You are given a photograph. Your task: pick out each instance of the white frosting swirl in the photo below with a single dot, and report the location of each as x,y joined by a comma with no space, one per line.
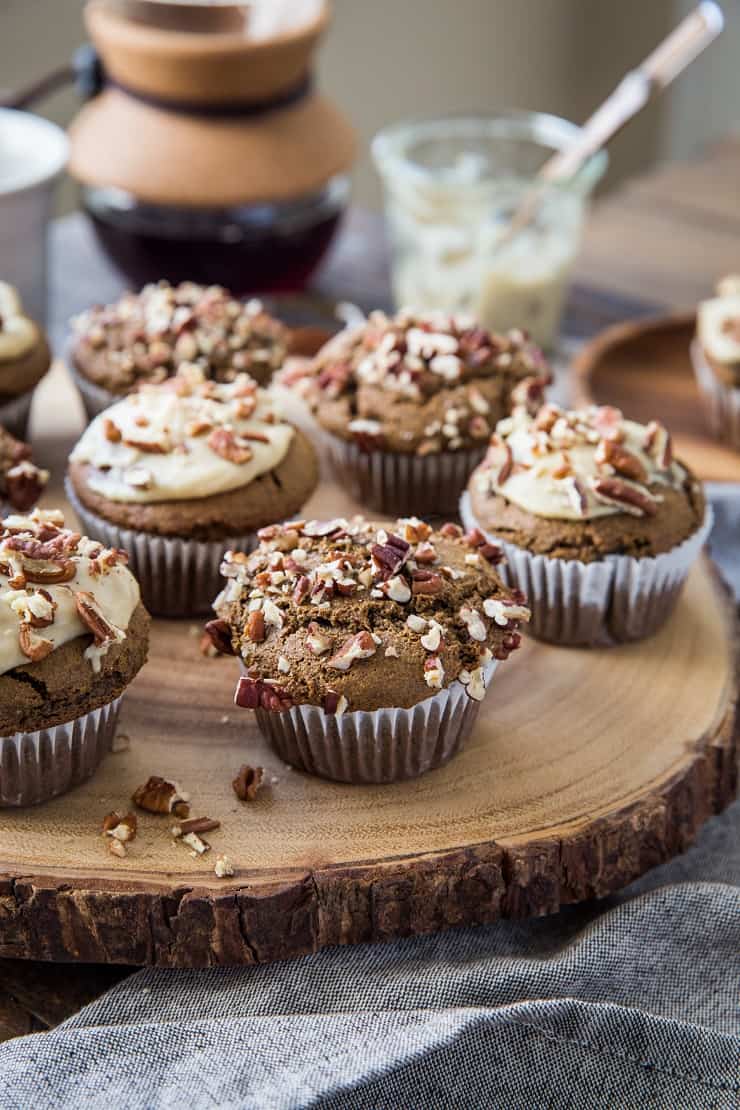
99,574
18,333
184,439
578,465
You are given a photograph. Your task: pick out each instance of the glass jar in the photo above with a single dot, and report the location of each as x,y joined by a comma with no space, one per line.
451,188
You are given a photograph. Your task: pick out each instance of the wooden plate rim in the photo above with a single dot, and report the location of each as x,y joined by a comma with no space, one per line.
95,919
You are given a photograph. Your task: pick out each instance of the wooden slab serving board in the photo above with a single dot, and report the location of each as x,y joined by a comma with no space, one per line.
644,368
585,769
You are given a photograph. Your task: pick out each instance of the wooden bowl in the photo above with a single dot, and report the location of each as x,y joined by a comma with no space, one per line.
644,368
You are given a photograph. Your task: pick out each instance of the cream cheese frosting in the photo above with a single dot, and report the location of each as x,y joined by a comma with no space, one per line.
56,585
186,438
718,322
18,333
579,465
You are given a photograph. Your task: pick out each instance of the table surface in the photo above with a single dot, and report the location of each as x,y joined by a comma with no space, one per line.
659,242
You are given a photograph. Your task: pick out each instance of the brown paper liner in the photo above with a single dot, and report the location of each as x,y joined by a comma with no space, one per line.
387,745
15,414
36,766
177,577
721,401
615,600
403,485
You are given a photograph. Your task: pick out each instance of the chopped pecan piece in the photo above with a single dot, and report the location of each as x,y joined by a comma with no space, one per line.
256,626
608,421
576,493
390,555
426,582
158,795
658,444
334,704
499,460
33,646
615,491
194,825
111,431
259,693
451,531
530,393
121,828
316,641
24,484
233,448
302,589
148,446
223,868
247,782
611,453
49,573
94,619
219,635
359,646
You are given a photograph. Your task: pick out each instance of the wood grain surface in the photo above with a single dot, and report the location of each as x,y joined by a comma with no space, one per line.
644,368
586,768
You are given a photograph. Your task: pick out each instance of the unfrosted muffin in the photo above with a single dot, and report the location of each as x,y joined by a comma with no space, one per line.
24,359
409,402
73,633
598,522
21,481
716,357
367,647
144,337
176,473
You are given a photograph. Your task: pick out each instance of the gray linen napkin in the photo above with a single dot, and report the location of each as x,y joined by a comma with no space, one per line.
630,1002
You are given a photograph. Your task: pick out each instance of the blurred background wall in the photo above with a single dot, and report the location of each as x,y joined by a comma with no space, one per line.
388,59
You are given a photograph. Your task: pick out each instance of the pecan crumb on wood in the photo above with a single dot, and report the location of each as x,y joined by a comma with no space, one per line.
247,782
158,795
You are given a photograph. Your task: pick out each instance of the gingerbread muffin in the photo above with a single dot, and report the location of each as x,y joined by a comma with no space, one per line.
597,520
24,359
145,337
21,481
716,357
408,403
366,648
176,473
74,634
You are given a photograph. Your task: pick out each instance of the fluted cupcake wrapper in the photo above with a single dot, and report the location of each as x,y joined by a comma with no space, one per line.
617,599
386,745
178,577
721,401
15,414
95,399
36,766
400,484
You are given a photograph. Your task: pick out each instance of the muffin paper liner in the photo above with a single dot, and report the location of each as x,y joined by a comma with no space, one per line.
15,414
95,399
36,766
177,577
616,599
386,745
402,485
721,401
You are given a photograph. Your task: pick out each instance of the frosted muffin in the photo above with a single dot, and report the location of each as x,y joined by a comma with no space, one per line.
144,338
367,648
176,473
73,633
408,403
598,522
24,359
716,357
